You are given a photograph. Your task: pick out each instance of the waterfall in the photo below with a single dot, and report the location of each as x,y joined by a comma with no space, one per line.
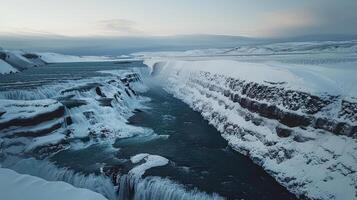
156,188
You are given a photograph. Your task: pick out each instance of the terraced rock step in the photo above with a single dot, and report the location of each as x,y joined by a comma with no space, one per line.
29,113
291,108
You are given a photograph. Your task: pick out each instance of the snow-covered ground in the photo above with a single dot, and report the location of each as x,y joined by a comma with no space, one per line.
334,47
5,68
298,121
17,60
61,58
15,186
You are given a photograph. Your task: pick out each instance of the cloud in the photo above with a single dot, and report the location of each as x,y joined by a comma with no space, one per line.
285,22
119,27
327,17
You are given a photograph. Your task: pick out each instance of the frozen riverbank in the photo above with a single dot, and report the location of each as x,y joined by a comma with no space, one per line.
16,186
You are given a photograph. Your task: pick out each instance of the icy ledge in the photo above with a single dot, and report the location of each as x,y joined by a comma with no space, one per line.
16,186
292,121
150,162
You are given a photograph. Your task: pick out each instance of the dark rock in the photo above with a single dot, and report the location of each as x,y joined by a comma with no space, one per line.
37,133
73,103
68,120
122,62
300,138
2,112
99,92
82,88
30,56
2,55
114,172
112,81
31,121
293,120
342,129
257,121
283,132
88,114
106,102
348,110
127,92
45,151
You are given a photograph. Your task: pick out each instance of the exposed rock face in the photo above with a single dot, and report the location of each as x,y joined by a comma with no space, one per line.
307,142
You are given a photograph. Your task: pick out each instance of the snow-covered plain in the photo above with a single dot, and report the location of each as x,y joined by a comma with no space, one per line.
5,68
12,61
286,115
346,47
15,186
61,58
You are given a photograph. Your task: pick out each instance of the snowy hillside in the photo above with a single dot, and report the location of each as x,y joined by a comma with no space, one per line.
267,49
297,121
17,60
60,58
5,68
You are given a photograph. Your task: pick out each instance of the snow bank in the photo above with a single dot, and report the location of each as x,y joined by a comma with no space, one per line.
60,58
5,68
150,162
330,79
16,186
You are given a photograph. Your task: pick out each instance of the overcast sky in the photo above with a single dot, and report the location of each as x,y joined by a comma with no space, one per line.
254,18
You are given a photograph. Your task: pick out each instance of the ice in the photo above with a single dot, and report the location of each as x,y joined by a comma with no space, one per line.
52,173
150,162
5,68
16,186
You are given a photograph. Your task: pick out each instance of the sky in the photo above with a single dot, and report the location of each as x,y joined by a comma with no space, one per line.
107,18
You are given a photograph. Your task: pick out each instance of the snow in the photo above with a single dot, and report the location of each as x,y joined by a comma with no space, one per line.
310,162
18,109
103,124
331,79
53,138
5,68
298,171
150,162
60,58
288,48
16,186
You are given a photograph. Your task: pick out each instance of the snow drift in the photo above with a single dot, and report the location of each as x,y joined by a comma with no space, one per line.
16,186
